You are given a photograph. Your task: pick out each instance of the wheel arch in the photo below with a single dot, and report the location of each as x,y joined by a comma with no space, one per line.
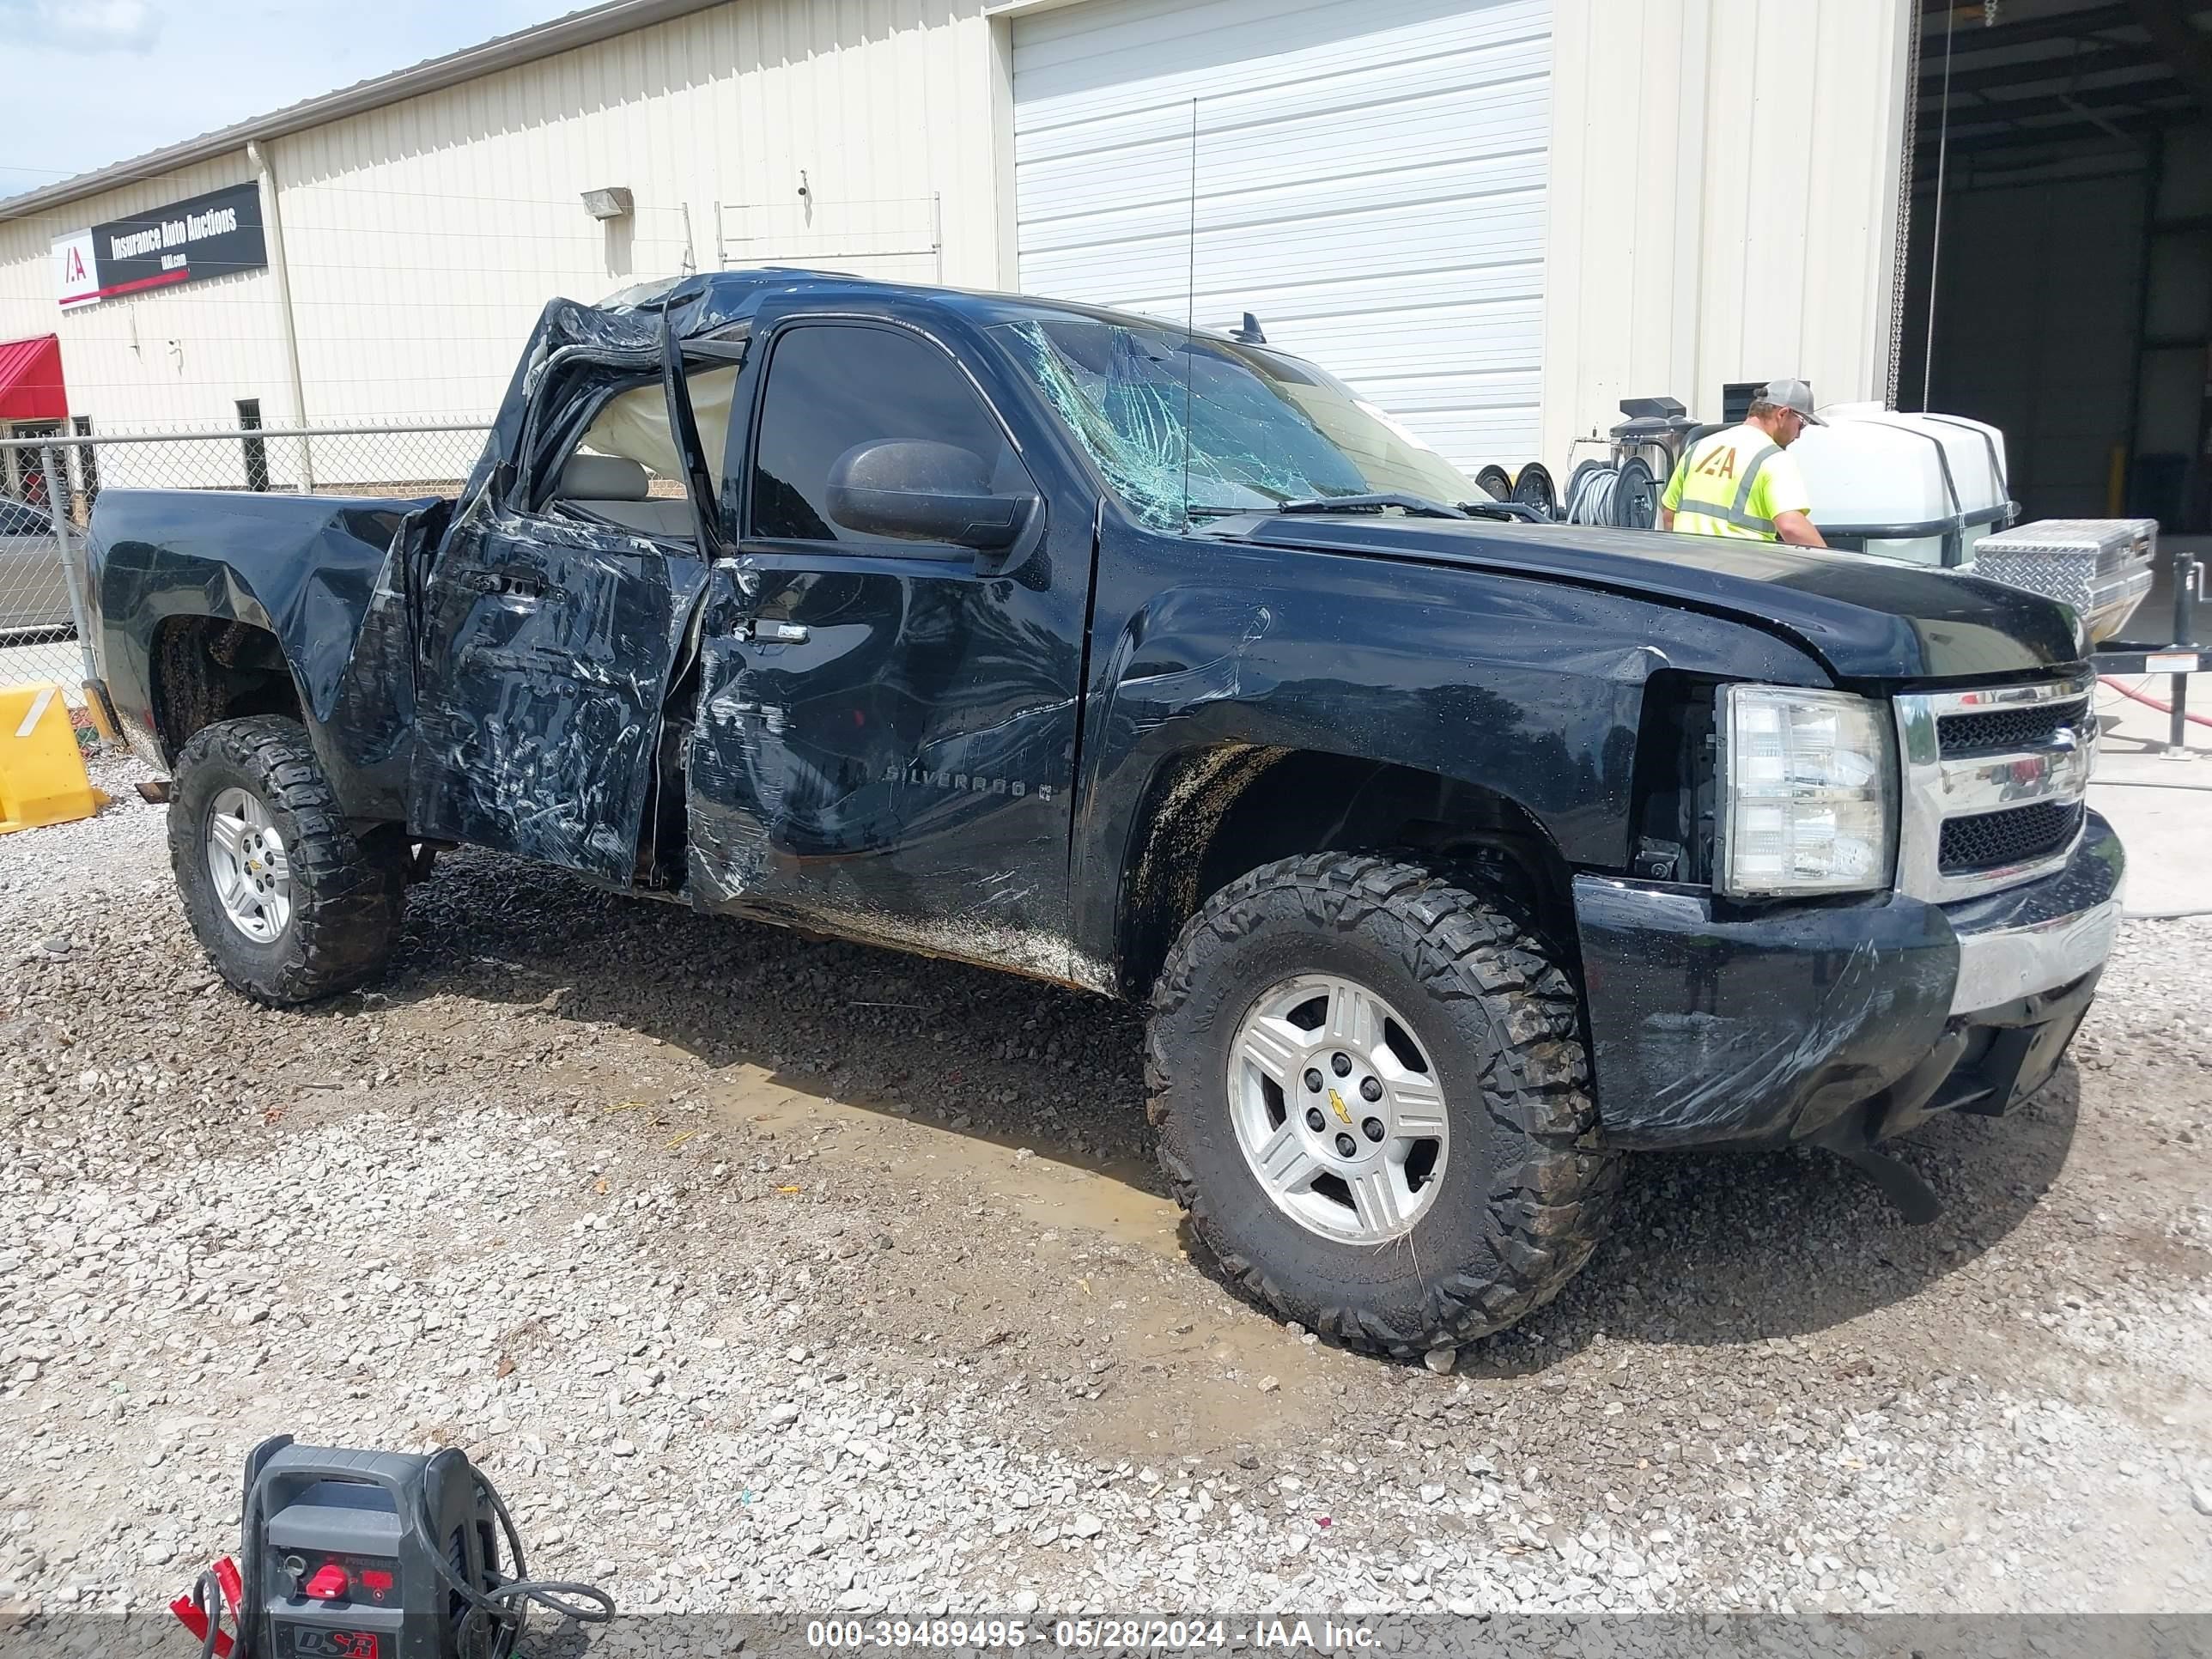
203,669
1214,812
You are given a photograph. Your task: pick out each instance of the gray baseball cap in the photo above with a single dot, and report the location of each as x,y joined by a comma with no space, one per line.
1793,394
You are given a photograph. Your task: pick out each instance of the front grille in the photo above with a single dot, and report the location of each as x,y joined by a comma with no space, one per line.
1994,780
2028,727
1988,841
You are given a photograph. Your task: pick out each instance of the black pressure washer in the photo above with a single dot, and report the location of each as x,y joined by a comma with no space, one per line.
372,1555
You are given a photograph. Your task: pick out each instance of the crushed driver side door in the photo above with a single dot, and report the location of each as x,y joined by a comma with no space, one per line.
885,743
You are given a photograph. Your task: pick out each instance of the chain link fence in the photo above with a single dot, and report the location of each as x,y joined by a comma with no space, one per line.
49,487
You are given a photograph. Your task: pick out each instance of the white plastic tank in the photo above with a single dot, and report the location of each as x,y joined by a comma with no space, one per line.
1907,486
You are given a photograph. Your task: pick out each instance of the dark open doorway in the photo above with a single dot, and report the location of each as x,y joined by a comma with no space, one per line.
2069,146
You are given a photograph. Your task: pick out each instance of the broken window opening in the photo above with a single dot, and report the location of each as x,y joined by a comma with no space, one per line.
633,425
627,469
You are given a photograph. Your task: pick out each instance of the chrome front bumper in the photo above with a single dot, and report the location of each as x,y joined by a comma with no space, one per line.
2044,935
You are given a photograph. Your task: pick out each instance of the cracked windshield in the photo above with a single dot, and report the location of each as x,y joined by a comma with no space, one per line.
1258,428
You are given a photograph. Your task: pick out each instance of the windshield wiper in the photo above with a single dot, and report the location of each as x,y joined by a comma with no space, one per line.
1414,506
1513,512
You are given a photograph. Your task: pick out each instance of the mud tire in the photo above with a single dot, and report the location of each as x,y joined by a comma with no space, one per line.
1527,1189
347,894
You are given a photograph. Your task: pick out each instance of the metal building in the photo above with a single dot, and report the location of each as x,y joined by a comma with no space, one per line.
414,225
1495,217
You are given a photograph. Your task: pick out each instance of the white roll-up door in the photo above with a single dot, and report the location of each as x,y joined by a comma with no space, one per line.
1367,179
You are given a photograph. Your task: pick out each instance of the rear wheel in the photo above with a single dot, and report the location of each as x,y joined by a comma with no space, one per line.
288,903
1371,1096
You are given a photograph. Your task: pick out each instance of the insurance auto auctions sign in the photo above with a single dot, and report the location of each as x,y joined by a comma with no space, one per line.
209,235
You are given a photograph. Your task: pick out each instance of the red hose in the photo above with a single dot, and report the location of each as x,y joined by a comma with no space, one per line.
2162,708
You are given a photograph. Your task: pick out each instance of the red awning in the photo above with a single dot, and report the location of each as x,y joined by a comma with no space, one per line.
30,380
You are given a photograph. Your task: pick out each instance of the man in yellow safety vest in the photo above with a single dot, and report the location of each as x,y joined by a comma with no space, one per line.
1740,482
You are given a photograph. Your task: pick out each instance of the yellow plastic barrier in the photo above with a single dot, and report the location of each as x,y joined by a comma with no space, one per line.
42,777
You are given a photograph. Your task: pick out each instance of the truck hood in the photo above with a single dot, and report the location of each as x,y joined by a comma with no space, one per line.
1864,618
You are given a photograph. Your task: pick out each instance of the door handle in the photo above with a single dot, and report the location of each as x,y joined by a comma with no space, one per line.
776,632
504,583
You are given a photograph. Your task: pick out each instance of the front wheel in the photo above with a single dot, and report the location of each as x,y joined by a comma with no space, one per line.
1372,1098
288,903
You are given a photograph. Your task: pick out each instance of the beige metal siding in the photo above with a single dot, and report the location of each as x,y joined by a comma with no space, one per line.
423,237
1723,201
1720,203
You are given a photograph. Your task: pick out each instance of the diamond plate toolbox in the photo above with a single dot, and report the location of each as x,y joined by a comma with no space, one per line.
2101,567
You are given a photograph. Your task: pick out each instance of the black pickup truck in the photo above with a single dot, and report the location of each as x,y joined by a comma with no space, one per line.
1455,857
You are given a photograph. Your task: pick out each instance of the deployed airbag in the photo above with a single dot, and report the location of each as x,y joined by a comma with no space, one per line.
635,423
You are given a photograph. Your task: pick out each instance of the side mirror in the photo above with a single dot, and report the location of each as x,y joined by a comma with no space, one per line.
920,490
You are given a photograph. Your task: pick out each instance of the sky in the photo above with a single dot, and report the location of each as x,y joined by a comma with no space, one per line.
85,82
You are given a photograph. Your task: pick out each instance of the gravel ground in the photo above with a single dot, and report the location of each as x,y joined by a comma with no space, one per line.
769,1273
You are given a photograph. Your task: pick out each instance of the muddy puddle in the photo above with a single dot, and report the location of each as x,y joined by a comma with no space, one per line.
1128,1343
1109,1199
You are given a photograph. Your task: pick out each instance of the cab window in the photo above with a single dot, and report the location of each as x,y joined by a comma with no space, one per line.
833,386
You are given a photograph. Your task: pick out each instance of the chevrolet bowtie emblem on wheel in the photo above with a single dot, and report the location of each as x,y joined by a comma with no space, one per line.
1336,1105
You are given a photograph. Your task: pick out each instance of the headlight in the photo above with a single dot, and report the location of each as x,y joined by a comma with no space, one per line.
1807,792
